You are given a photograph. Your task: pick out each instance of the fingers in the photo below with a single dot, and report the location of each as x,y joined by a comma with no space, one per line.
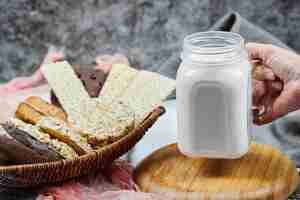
277,86
274,112
259,72
260,75
279,69
259,51
286,102
265,105
258,91
270,57
264,95
282,62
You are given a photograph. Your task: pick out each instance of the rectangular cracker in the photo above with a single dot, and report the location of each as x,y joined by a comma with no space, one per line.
146,92
61,131
117,81
60,147
69,90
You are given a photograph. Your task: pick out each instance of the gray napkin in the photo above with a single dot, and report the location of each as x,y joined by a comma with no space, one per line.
232,22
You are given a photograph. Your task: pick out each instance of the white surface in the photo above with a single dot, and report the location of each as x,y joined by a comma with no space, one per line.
163,132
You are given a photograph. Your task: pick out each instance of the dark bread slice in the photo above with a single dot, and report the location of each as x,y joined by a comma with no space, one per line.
14,152
93,81
26,139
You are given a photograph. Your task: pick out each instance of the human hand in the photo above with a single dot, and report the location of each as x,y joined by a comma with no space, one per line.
276,81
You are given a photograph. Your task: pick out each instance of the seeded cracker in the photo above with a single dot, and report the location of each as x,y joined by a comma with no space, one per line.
95,121
118,80
146,92
69,90
61,148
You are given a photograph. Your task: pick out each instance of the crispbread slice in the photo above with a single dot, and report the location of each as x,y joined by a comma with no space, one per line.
147,91
43,138
69,90
60,130
107,123
45,108
119,119
117,81
85,114
111,122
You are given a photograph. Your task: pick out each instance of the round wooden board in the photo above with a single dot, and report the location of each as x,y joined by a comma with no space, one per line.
263,173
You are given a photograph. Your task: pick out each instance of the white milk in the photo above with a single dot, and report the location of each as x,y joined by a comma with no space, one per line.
214,96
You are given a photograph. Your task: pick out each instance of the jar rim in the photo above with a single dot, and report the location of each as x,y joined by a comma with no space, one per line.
213,42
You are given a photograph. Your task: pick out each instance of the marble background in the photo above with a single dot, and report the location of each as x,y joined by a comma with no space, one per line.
143,30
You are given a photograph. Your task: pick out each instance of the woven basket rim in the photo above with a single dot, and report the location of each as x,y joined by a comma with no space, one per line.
11,168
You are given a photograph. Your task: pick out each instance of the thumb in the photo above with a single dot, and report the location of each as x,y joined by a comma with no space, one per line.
283,63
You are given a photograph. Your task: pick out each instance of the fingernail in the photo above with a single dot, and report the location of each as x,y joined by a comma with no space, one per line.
258,111
255,112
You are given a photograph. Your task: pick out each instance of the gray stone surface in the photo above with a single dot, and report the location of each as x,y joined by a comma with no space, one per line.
146,31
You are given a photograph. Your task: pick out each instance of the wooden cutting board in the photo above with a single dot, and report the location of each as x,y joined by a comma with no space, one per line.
263,173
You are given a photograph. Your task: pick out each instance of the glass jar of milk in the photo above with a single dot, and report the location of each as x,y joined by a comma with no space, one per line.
213,92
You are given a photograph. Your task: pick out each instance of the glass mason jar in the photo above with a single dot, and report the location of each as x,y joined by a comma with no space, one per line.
213,92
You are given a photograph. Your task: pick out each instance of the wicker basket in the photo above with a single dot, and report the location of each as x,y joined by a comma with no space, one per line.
29,175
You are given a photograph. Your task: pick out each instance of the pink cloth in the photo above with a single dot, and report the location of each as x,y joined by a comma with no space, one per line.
114,178
104,62
113,183
22,83
16,90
